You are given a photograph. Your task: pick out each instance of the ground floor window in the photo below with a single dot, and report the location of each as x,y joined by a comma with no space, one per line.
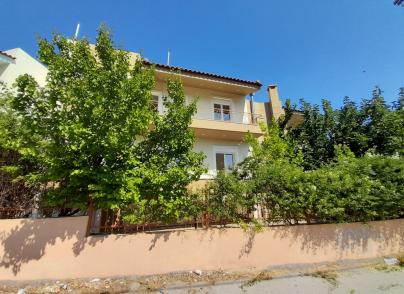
155,103
224,161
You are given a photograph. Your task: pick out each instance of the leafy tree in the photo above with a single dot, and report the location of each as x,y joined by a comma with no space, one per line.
283,120
399,104
349,129
94,135
372,127
314,135
379,126
397,119
272,147
167,164
14,192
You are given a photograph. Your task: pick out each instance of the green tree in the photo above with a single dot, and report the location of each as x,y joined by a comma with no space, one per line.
314,136
379,124
349,129
284,119
14,192
272,147
94,135
397,118
165,164
374,126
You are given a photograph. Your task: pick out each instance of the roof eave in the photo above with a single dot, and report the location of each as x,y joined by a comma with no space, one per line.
6,57
172,69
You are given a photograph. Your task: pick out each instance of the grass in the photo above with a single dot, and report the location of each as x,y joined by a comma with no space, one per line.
401,260
329,276
262,276
388,268
392,268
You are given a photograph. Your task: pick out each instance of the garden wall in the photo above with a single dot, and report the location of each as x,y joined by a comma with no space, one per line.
58,249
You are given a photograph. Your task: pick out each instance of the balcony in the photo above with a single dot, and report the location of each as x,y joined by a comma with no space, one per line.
226,125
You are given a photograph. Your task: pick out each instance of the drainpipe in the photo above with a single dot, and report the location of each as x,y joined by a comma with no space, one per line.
252,108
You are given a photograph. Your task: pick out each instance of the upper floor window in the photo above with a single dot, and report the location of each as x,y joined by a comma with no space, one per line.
221,111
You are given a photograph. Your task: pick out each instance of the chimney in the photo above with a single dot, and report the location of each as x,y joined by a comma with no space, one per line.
275,105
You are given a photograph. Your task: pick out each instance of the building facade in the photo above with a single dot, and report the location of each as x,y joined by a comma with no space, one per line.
226,112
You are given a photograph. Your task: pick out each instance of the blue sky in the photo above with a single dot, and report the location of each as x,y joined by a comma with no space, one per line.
312,49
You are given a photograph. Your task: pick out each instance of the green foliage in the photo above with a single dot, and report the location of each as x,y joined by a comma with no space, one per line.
227,199
337,166
349,130
373,127
314,135
347,189
168,164
91,131
273,147
379,124
7,119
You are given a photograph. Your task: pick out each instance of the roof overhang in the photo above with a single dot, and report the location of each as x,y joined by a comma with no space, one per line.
199,79
6,58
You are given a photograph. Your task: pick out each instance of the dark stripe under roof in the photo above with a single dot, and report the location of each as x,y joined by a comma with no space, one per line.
6,55
201,73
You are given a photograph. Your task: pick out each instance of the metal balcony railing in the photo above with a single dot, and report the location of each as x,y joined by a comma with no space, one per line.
221,115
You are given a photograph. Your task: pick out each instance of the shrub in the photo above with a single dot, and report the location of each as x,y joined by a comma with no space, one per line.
349,190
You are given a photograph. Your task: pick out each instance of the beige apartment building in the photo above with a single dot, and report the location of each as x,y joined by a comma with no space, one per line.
226,110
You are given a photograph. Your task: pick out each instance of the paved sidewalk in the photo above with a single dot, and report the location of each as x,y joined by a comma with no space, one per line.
348,277
355,281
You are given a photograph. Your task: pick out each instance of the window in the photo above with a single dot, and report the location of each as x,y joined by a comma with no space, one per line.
224,161
221,112
155,103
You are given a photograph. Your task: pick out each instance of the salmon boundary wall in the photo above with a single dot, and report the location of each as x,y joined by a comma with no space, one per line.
58,248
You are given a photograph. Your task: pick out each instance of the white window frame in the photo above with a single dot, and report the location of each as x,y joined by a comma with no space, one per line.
223,101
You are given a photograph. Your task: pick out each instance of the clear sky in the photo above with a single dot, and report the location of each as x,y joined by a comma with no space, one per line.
312,48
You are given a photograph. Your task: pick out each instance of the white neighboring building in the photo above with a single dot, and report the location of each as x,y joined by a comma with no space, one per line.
16,62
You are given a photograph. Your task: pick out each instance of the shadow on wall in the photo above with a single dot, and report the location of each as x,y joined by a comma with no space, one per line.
342,239
28,240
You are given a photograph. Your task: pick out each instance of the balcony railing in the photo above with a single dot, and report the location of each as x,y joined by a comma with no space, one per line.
220,115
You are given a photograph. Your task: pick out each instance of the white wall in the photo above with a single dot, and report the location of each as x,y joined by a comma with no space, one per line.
24,64
206,99
209,147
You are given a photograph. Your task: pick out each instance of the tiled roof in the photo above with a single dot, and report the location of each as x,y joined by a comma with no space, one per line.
6,55
201,73
295,110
